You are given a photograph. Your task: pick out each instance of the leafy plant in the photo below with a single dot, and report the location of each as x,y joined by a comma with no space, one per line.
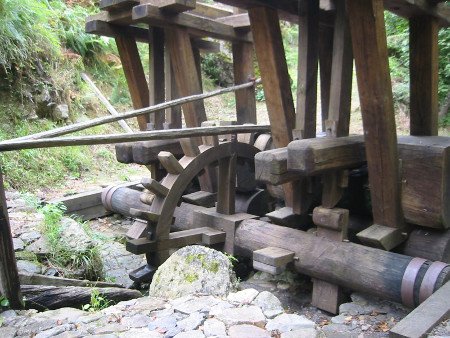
4,302
98,302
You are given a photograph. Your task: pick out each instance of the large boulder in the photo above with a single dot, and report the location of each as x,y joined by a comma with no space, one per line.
194,270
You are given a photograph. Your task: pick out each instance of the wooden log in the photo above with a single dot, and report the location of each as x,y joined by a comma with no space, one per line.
346,264
134,113
120,199
430,244
105,102
9,277
122,138
421,321
308,59
35,279
423,70
243,70
54,297
134,73
368,32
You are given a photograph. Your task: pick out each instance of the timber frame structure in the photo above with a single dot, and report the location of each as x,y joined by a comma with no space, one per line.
292,161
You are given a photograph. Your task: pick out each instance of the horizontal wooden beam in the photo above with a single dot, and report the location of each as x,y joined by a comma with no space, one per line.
124,138
196,25
237,21
116,5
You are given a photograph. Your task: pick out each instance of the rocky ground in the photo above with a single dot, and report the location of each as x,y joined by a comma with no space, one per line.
266,306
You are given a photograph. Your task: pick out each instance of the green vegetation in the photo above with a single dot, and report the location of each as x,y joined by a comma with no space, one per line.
191,277
62,256
210,266
98,302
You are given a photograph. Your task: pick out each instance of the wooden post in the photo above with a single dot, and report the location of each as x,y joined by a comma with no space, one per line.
367,27
423,69
173,114
325,60
134,73
308,57
185,72
9,277
243,72
274,73
156,76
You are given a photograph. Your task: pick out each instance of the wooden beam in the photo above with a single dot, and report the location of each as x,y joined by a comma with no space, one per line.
9,277
325,61
423,69
243,56
174,6
211,10
236,21
274,73
367,27
227,185
341,75
157,75
308,58
115,5
134,73
196,25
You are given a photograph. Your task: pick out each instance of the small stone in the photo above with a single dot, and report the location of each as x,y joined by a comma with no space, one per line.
69,334
29,237
365,327
39,247
190,334
289,322
192,322
18,244
201,304
68,314
8,314
283,286
269,304
107,329
243,297
355,309
7,332
302,333
141,333
341,319
74,236
29,267
164,323
136,321
240,331
244,315
214,327
61,112
219,307
55,331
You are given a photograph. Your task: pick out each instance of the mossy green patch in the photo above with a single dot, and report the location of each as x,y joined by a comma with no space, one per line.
191,277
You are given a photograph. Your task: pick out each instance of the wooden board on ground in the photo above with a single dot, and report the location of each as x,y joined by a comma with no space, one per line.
424,318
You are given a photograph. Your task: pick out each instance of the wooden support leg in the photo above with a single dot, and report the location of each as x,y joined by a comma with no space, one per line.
9,277
308,57
134,73
423,68
227,185
274,73
173,115
325,60
243,72
367,27
157,82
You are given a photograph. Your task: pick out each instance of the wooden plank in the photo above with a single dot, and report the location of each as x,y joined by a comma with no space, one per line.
146,152
423,70
154,186
111,30
9,277
170,163
211,10
334,219
134,73
308,58
382,237
243,56
367,27
425,317
271,167
327,296
174,6
196,25
35,279
273,256
114,5
236,20
274,73
273,270
285,216
156,75
203,198
173,114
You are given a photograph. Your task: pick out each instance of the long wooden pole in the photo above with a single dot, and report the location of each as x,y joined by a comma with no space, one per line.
124,138
105,102
133,113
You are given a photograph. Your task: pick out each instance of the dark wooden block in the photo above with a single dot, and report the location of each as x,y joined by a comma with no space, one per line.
116,5
271,167
277,257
